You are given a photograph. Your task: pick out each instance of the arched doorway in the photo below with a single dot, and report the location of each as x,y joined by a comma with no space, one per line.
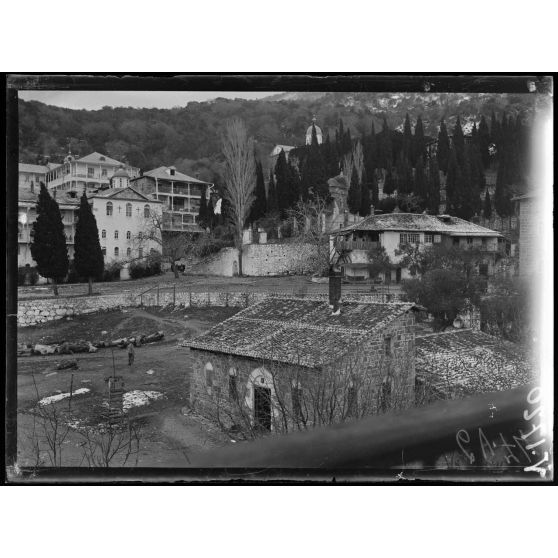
259,398
235,268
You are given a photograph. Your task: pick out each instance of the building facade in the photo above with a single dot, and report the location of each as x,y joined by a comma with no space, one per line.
30,176
530,230
179,194
92,172
290,363
127,222
356,247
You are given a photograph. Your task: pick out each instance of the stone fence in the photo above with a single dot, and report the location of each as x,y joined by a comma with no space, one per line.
33,312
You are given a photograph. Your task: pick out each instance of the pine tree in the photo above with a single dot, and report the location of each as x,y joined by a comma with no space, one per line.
260,203
88,258
354,196
419,147
487,209
48,248
484,142
365,199
443,150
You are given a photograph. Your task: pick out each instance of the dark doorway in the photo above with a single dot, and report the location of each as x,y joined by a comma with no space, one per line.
398,275
262,407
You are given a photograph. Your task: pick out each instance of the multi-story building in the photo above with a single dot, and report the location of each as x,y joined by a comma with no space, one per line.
93,172
356,246
530,232
32,175
27,215
179,193
124,220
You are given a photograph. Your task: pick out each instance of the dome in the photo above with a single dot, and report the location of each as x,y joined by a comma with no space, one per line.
120,173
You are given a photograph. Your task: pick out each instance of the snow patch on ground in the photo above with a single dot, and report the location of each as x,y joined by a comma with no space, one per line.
55,398
139,398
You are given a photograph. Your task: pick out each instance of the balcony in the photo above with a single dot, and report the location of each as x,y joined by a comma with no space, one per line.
357,245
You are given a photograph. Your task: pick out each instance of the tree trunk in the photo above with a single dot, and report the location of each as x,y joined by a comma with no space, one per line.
90,286
176,276
55,287
240,260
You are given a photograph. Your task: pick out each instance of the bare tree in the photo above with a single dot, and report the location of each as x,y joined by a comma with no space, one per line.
240,178
173,245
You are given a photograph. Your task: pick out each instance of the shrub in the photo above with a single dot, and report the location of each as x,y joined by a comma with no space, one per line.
137,270
112,272
387,205
27,270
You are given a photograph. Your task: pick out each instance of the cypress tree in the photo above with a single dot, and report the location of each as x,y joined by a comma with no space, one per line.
419,150
484,142
365,200
385,156
443,148
313,183
202,213
421,187
459,142
354,196
407,139
433,196
210,214
389,183
487,209
282,184
260,203
495,131
502,196
451,179
271,194
48,248
88,258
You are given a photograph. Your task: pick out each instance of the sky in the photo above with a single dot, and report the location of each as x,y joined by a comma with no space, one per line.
92,100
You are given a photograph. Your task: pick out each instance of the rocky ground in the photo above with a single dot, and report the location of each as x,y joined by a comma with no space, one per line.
153,385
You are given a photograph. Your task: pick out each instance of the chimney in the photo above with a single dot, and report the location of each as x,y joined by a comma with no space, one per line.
334,288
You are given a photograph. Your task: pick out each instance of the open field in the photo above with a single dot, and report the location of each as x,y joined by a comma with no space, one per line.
168,433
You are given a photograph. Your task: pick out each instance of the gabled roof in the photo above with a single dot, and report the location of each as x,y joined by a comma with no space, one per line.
300,331
63,198
95,157
465,362
38,169
418,222
127,193
161,174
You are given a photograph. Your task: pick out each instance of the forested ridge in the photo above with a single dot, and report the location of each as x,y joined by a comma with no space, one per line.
190,137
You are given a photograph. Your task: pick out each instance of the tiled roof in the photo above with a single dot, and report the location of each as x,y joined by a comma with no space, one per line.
298,330
62,198
95,157
38,169
453,226
466,362
124,193
161,173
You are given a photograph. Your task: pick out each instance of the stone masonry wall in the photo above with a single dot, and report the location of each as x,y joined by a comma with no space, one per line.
259,260
33,312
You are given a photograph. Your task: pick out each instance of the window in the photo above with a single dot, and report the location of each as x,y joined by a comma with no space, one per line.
128,235
483,242
90,172
437,238
385,394
140,235
140,252
209,375
388,340
115,235
104,173
109,208
103,233
128,210
128,252
116,252
146,210
456,241
469,240
409,238
104,250
428,238
233,384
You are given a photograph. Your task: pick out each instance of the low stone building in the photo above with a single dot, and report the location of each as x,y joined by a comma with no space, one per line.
292,363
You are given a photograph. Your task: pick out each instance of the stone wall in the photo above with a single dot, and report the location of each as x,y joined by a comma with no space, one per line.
33,312
259,260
